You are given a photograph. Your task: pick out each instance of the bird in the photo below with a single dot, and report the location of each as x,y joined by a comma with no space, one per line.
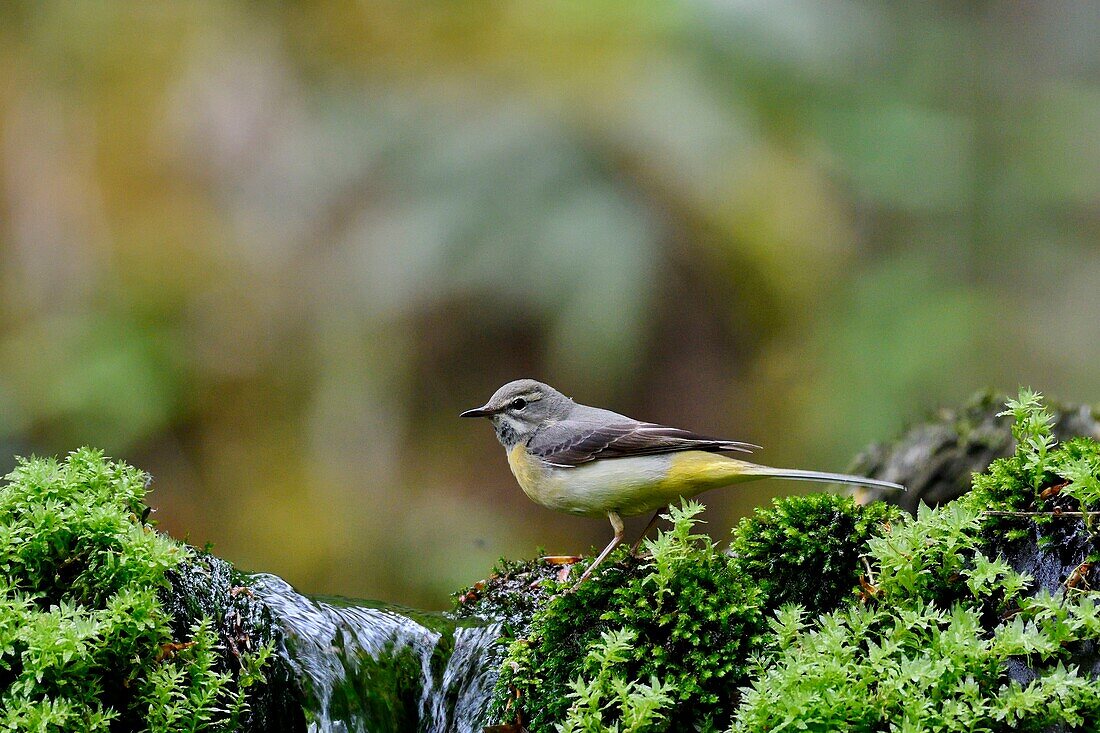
593,462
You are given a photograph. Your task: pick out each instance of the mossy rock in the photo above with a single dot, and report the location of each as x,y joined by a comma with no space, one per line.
936,459
824,614
204,586
106,624
692,622
695,615
828,615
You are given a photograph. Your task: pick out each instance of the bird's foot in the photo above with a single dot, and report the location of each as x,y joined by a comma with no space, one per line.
561,559
565,563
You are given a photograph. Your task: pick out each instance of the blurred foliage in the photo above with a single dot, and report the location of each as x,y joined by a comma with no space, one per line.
271,250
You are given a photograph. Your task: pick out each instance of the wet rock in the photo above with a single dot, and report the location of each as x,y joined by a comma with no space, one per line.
340,665
209,586
368,667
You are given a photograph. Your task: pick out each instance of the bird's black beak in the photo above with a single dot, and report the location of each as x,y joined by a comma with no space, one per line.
478,412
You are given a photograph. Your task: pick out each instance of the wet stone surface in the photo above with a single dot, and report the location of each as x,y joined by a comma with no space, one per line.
340,665
210,586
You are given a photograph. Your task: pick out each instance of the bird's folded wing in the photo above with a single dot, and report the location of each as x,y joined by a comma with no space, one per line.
572,443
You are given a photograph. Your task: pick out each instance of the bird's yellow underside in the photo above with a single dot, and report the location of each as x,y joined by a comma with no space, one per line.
702,470
629,485
525,467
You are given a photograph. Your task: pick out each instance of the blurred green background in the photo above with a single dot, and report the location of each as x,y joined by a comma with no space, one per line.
268,251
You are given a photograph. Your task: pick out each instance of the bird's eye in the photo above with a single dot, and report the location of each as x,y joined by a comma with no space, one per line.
518,403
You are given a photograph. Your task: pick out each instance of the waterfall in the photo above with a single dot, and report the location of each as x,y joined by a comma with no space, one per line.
368,667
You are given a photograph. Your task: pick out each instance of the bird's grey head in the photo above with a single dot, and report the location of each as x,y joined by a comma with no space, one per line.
520,408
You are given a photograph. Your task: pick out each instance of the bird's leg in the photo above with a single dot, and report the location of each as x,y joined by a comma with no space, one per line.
617,525
652,522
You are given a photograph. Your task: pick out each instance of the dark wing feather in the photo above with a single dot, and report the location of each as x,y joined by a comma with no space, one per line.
617,440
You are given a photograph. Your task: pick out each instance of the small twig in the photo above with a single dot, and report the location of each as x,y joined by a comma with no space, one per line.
1079,515
870,572
868,589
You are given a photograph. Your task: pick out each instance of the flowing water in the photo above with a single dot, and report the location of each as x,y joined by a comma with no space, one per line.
371,668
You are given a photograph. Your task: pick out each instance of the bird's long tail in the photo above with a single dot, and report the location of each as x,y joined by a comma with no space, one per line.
820,477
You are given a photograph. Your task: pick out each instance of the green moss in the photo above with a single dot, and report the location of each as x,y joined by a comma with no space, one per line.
84,641
1015,483
1041,476
934,650
805,549
953,638
691,621
694,616
601,692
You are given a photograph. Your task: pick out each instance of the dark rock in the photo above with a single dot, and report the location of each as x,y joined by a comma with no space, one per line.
935,460
207,585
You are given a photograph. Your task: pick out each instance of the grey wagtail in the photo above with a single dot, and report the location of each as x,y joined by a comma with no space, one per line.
591,462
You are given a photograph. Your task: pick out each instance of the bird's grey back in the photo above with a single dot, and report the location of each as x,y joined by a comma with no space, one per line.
586,434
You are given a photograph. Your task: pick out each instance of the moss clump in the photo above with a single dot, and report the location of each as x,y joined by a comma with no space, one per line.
84,641
1016,482
935,648
691,616
1042,477
691,624
602,692
954,636
805,549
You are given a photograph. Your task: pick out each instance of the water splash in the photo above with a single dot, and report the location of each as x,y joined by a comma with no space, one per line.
372,668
